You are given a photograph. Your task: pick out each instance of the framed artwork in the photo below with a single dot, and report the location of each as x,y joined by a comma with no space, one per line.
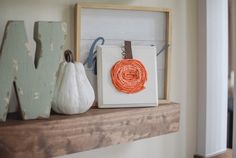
144,26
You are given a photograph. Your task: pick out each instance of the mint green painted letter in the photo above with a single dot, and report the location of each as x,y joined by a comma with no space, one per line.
33,81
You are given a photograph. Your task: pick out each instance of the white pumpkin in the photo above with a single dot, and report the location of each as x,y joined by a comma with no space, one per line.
73,92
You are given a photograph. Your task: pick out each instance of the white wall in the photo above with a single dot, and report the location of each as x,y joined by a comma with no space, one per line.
184,68
213,77
201,134
217,79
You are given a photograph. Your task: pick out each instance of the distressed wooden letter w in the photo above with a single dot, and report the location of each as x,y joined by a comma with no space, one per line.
33,83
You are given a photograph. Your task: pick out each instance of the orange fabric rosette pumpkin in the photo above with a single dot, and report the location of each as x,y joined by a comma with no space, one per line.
129,75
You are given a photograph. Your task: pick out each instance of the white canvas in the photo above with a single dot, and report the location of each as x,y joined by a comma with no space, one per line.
108,95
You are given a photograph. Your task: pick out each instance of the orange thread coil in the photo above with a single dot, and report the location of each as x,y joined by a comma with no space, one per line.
129,76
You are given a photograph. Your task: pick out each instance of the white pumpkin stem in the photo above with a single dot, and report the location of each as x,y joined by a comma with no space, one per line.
69,56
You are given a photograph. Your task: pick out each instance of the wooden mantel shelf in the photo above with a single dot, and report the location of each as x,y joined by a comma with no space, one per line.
97,128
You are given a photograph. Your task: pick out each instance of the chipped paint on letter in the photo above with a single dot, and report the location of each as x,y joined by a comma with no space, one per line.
15,65
36,95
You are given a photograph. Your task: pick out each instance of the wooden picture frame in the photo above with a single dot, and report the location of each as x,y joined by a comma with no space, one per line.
168,34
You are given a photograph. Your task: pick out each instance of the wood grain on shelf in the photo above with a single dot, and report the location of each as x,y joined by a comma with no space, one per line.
96,128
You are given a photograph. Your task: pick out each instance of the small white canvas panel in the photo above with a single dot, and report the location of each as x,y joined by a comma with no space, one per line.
143,28
108,95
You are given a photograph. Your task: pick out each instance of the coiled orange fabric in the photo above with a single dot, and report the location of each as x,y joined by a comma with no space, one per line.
129,75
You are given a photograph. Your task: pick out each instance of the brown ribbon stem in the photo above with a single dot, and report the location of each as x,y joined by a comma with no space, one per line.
128,50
